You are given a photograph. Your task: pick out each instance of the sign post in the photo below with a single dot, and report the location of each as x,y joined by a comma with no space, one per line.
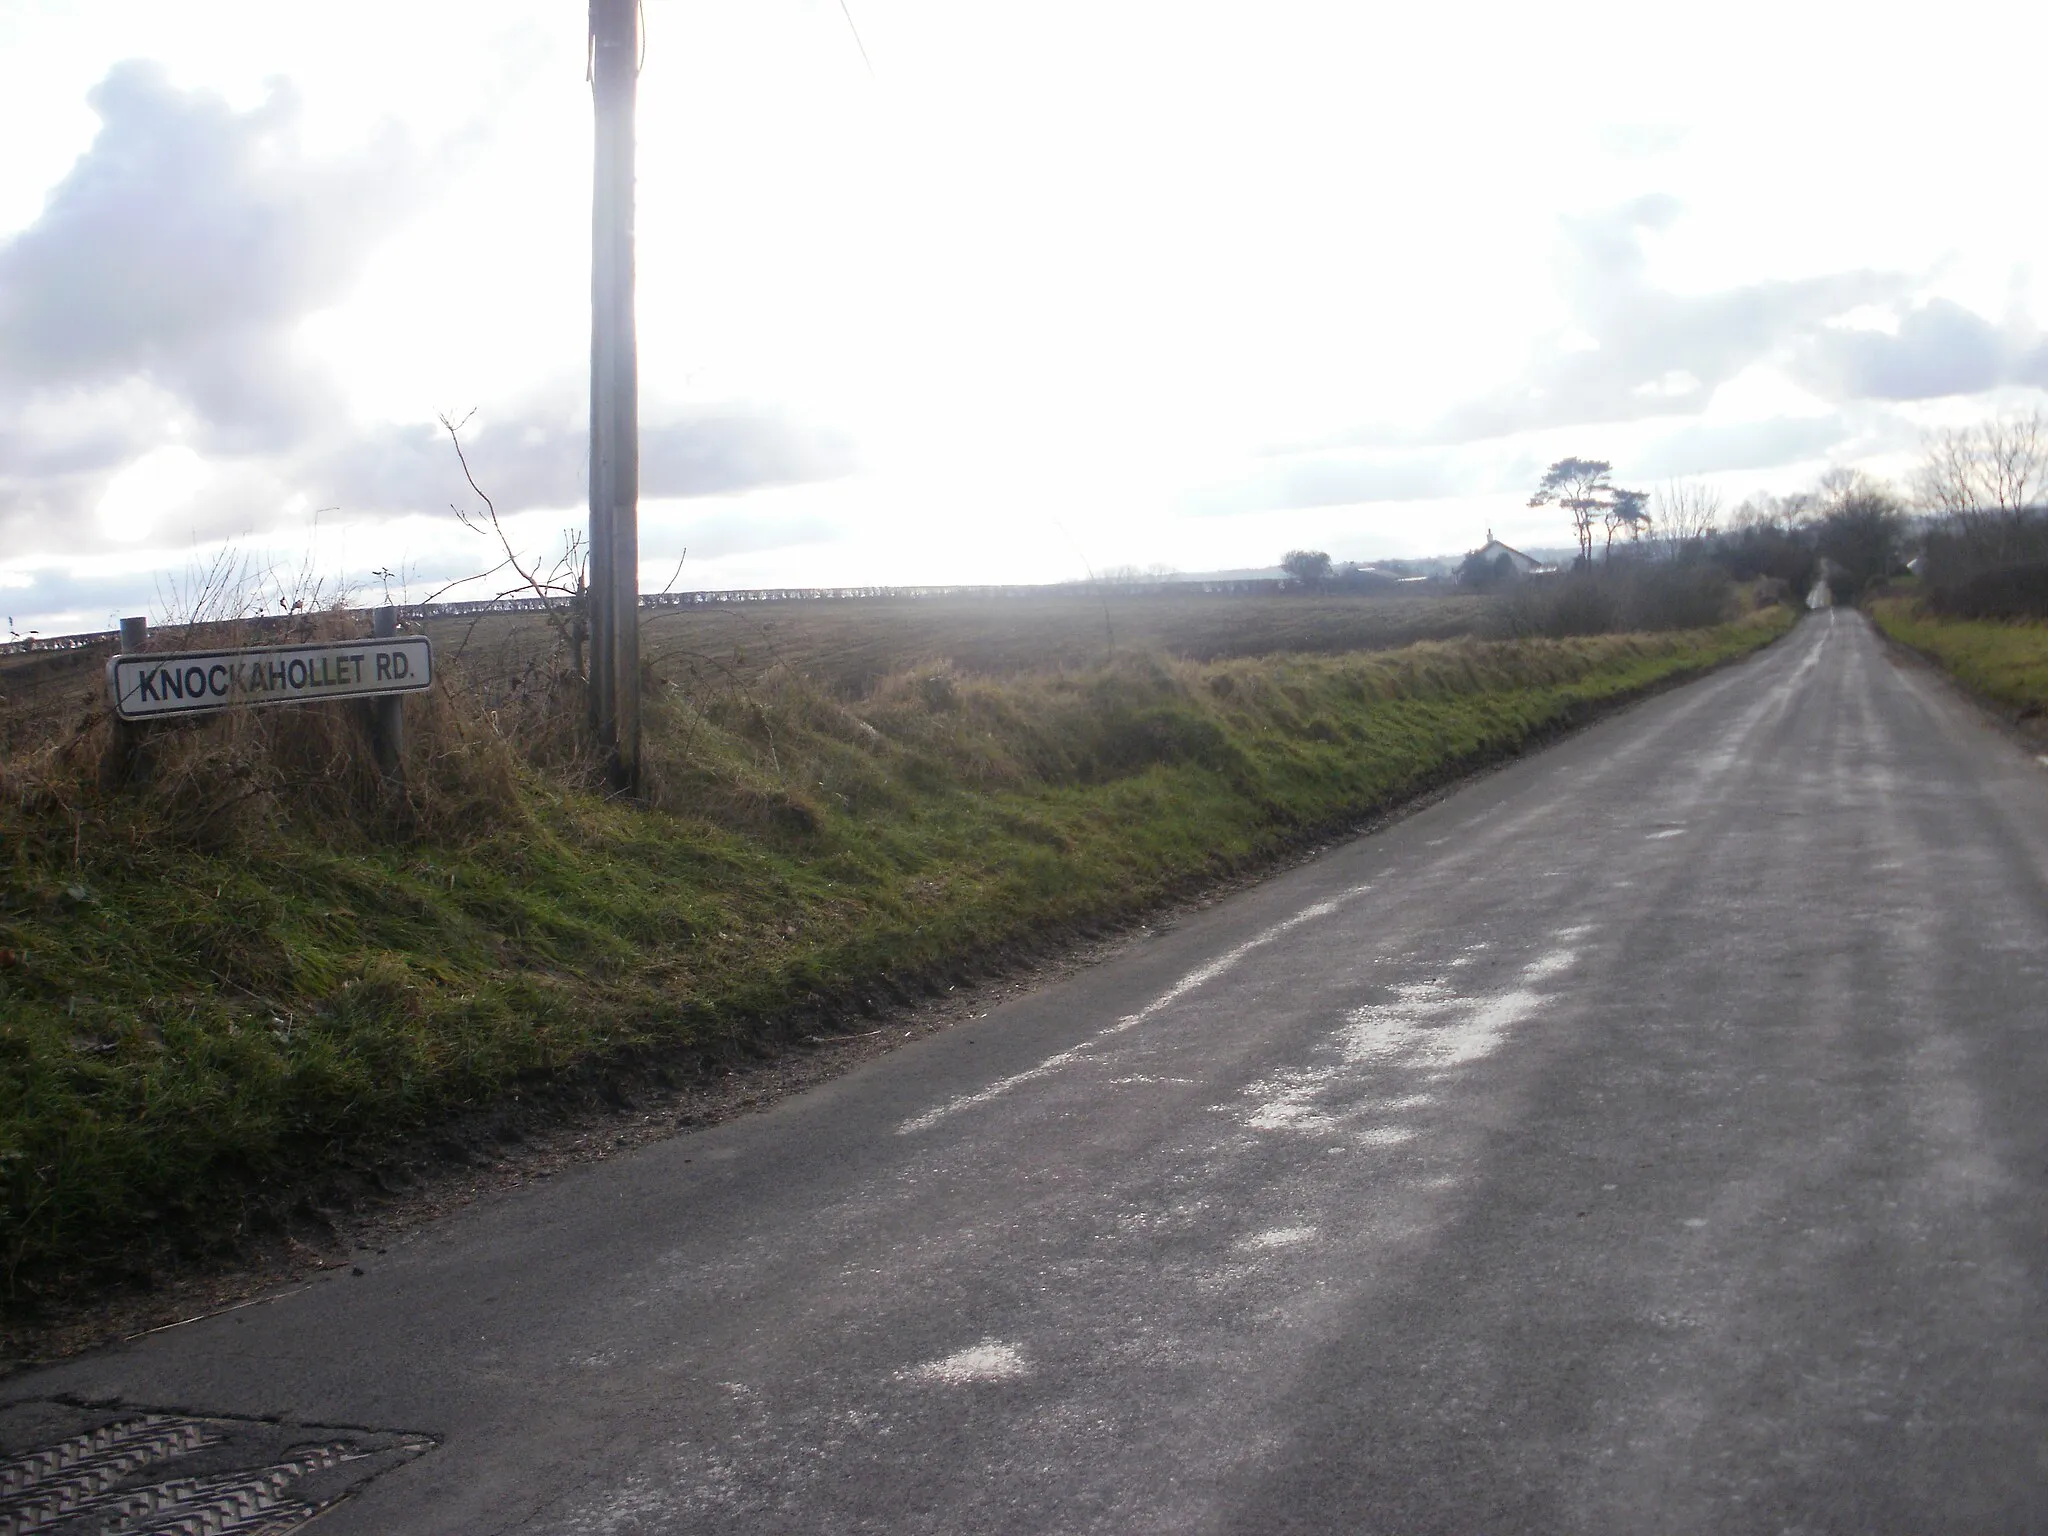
125,760
387,711
375,674
161,685
164,685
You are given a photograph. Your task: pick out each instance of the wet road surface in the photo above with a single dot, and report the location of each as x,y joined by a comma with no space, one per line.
1651,1136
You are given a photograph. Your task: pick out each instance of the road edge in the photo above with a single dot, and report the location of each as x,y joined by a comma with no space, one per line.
2029,733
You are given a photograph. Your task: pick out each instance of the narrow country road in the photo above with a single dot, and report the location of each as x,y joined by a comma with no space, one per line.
1651,1136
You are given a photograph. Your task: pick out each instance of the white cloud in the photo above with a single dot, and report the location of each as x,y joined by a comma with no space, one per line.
157,486
161,330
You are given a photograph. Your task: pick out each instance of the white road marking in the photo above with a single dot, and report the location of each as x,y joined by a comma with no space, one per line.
1546,966
1280,1237
1482,1032
1288,1103
1426,1025
1173,994
990,1360
1385,1136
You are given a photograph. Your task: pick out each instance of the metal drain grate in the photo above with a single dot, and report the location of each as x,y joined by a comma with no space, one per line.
72,1471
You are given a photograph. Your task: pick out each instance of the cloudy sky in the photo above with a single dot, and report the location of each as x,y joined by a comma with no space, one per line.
1032,289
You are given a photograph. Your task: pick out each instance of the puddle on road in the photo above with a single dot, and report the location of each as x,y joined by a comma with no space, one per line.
67,1470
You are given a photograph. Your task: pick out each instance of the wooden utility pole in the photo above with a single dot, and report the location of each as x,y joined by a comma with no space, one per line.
614,397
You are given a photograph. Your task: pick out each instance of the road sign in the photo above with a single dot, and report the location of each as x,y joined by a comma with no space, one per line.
151,686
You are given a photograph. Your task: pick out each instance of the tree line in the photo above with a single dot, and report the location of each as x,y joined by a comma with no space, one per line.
1971,521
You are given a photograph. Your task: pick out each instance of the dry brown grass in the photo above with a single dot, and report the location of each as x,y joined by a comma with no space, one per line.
219,780
848,648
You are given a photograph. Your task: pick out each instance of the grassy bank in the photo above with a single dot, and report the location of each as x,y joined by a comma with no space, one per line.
2005,661
256,968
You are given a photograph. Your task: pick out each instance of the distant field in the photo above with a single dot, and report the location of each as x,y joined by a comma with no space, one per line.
43,693
848,647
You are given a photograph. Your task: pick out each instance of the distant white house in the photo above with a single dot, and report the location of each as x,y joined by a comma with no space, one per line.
1524,565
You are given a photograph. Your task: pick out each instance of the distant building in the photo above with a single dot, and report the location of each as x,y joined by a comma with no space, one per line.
1353,577
1489,555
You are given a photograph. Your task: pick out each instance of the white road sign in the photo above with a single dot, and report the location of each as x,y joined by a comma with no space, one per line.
152,685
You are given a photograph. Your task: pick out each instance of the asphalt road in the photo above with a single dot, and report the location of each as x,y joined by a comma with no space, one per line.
1649,1137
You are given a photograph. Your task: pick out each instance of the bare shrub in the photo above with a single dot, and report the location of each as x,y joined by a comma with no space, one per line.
1683,596
2016,590
1618,597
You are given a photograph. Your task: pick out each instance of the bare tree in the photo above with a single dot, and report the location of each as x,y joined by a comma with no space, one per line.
1987,477
2016,461
1862,521
1838,485
1688,515
1945,481
1758,509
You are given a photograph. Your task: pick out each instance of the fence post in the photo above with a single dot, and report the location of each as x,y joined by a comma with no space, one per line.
125,760
387,713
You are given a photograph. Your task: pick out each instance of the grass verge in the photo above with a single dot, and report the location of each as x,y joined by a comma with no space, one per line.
202,1009
2003,661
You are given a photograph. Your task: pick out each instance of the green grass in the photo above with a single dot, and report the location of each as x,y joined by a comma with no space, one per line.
2005,662
198,1016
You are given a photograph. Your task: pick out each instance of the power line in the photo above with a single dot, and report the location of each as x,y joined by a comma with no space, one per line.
847,11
